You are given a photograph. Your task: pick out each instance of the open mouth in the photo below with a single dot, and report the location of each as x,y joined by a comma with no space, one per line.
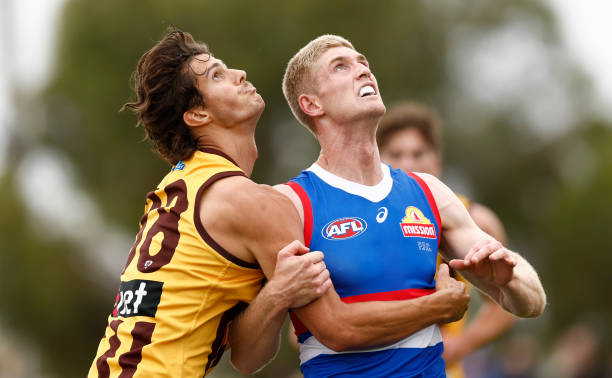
368,90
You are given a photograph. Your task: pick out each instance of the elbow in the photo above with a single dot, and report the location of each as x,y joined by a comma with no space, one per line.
537,309
541,307
534,313
243,364
339,339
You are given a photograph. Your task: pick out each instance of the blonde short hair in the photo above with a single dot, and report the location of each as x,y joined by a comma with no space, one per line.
298,75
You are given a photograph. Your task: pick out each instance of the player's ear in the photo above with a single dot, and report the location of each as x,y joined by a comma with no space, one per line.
310,105
197,116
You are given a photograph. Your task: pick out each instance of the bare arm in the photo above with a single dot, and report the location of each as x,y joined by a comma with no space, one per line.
491,321
255,333
367,325
500,273
297,279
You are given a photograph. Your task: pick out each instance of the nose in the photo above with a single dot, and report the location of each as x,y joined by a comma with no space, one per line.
240,76
364,72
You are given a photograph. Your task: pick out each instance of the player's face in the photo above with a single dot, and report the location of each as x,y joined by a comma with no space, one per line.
346,88
228,97
409,151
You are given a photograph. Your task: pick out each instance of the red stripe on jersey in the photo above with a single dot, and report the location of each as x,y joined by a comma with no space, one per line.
396,295
298,326
432,202
307,210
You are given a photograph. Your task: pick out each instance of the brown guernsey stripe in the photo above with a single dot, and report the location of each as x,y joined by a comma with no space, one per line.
143,223
200,227
218,347
141,336
103,368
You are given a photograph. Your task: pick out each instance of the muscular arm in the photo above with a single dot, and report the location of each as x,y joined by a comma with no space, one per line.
491,321
255,333
367,325
298,278
503,275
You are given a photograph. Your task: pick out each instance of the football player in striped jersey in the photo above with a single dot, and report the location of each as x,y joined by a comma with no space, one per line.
380,228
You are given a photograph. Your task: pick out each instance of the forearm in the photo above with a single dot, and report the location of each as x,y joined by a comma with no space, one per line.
368,325
390,322
521,292
255,333
524,295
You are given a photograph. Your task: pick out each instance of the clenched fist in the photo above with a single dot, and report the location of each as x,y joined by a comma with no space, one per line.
454,293
300,277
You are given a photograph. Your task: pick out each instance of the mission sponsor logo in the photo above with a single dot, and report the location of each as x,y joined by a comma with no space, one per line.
344,228
138,298
415,224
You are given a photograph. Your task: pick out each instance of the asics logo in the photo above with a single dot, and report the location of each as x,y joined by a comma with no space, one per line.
382,214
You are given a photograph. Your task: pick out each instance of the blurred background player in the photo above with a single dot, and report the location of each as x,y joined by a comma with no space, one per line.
409,139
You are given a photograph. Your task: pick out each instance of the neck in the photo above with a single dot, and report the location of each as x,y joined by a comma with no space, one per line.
237,143
350,151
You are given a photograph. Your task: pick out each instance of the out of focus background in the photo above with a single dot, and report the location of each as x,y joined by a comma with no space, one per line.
524,87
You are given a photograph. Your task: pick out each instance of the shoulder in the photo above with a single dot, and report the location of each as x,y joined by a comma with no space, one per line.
453,213
288,192
241,196
241,214
442,194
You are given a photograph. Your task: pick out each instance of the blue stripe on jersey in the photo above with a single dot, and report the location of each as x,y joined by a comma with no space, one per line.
301,338
403,362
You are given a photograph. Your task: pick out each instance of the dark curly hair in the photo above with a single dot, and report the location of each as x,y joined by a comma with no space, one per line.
165,88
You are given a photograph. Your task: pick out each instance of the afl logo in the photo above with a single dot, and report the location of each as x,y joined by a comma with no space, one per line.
344,228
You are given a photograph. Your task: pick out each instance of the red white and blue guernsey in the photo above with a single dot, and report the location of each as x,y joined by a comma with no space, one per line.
380,243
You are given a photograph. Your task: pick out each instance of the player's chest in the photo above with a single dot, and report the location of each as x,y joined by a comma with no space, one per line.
353,227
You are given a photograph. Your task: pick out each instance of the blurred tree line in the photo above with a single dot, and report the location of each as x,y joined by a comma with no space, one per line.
551,188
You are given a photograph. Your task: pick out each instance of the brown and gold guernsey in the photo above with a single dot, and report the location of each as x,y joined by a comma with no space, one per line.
455,328
179,290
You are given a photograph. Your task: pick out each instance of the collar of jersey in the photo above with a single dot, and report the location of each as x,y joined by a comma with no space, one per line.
374,193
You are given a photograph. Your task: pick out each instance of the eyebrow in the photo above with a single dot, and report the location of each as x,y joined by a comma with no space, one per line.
336,59
209,69
360,57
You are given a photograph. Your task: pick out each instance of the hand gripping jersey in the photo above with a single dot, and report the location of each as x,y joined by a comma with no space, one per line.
180,289
380,243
